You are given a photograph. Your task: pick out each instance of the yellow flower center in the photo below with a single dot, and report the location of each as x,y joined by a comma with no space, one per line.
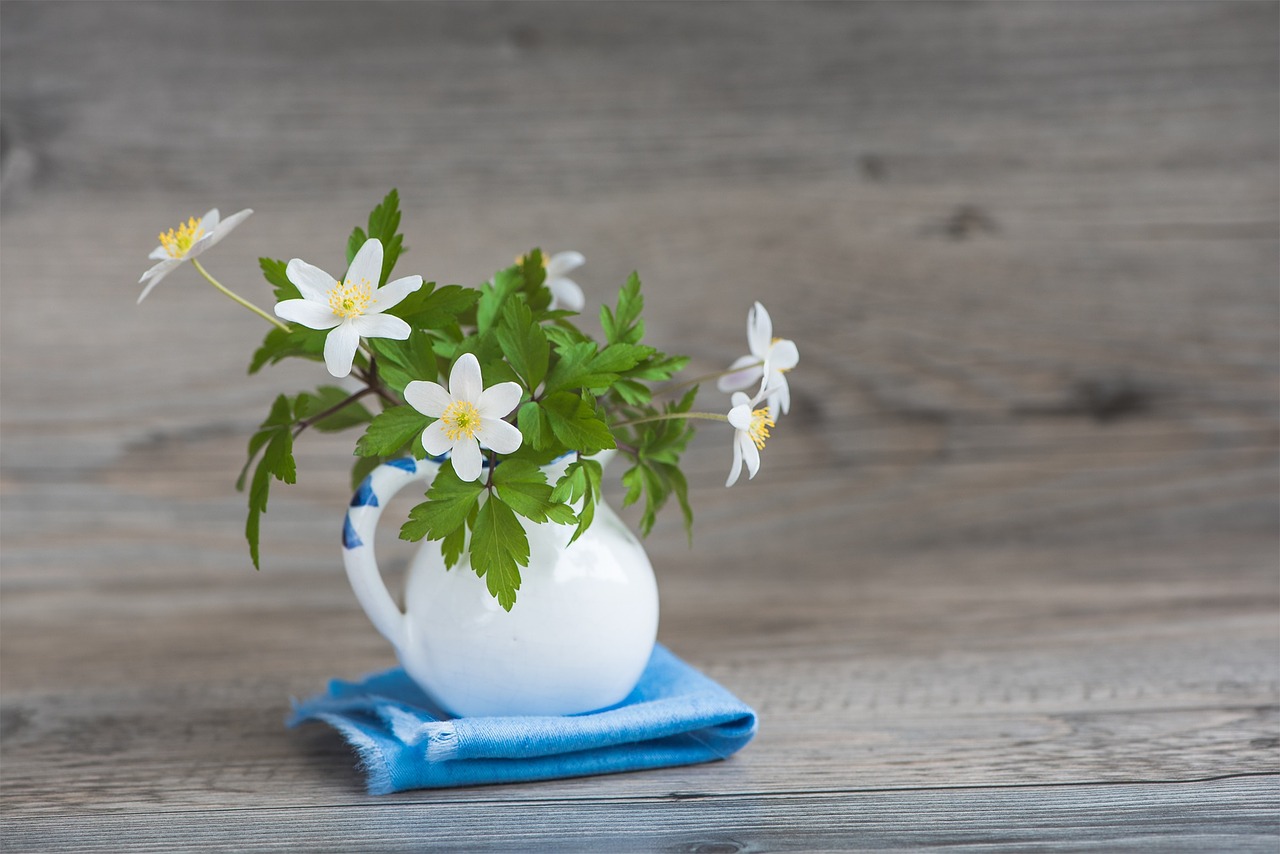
350,299
760,424
461,420
178,241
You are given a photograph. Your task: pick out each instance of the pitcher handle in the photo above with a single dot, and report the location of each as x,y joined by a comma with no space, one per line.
358,536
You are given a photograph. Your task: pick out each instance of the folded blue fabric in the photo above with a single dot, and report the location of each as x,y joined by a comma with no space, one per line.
675,716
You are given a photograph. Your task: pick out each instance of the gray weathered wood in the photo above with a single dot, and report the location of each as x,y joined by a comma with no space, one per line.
1008,574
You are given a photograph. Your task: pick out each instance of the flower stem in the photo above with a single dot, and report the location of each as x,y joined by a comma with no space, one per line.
337,407
244,302
672,416
681,386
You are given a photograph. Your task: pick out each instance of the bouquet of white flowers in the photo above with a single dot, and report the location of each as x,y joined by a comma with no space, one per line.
525,386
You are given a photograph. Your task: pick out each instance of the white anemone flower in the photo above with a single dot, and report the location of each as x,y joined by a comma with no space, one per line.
351,308
768,363
750,430
469,415
565,292
186,242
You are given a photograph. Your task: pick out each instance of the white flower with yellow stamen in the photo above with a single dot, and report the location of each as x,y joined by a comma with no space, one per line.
469,415
750,430
352,308
768,363
186,242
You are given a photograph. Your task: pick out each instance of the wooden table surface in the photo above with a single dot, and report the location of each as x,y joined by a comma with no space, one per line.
1008,576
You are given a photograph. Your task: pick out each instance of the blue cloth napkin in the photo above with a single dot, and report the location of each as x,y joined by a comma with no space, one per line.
675,716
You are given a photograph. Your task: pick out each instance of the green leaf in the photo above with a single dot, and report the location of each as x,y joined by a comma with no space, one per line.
354,242
391,430
494,296
384,224
571,364
619,358
327,396
449,503
623,325
436,308
453,545
524,344
523,487
499,547
534,425
279,344
402,362
275,439
574,422
274,271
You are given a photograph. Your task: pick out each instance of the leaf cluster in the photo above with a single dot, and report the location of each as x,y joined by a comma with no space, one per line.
579,397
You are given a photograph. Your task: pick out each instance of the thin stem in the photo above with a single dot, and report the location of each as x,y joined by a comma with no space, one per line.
320,416
672,416
696,380
244,302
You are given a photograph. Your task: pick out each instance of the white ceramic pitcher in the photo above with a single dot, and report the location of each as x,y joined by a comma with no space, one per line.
578,638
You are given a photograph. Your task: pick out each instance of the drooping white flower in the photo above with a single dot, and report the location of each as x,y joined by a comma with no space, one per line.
186,242
469,414
750,430
351,308
565,292
768,363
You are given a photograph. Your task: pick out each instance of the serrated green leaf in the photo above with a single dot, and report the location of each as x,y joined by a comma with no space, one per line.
279,344
534,426
354,242
523,487
452,546
524,343
499,547
384,224
390,430
623,325
574,422
450,501
436,308
274,272
633,480
402,362
494,296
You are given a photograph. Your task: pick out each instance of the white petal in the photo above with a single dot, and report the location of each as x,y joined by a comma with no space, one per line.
779,396
312,282
746,373
367,265
740,415
312,315
498,401
566,294
750,454
562,262
434,440
225,227
340,349
499,436
381,326
431,399
466,460
737,463
210,220
759,330
465,382
159,253
153,276
783,355
392,293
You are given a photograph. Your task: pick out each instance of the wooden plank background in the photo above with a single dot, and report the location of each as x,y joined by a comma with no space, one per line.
1008,576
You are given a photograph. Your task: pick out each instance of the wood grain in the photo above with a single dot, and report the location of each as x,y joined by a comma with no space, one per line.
1008,577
